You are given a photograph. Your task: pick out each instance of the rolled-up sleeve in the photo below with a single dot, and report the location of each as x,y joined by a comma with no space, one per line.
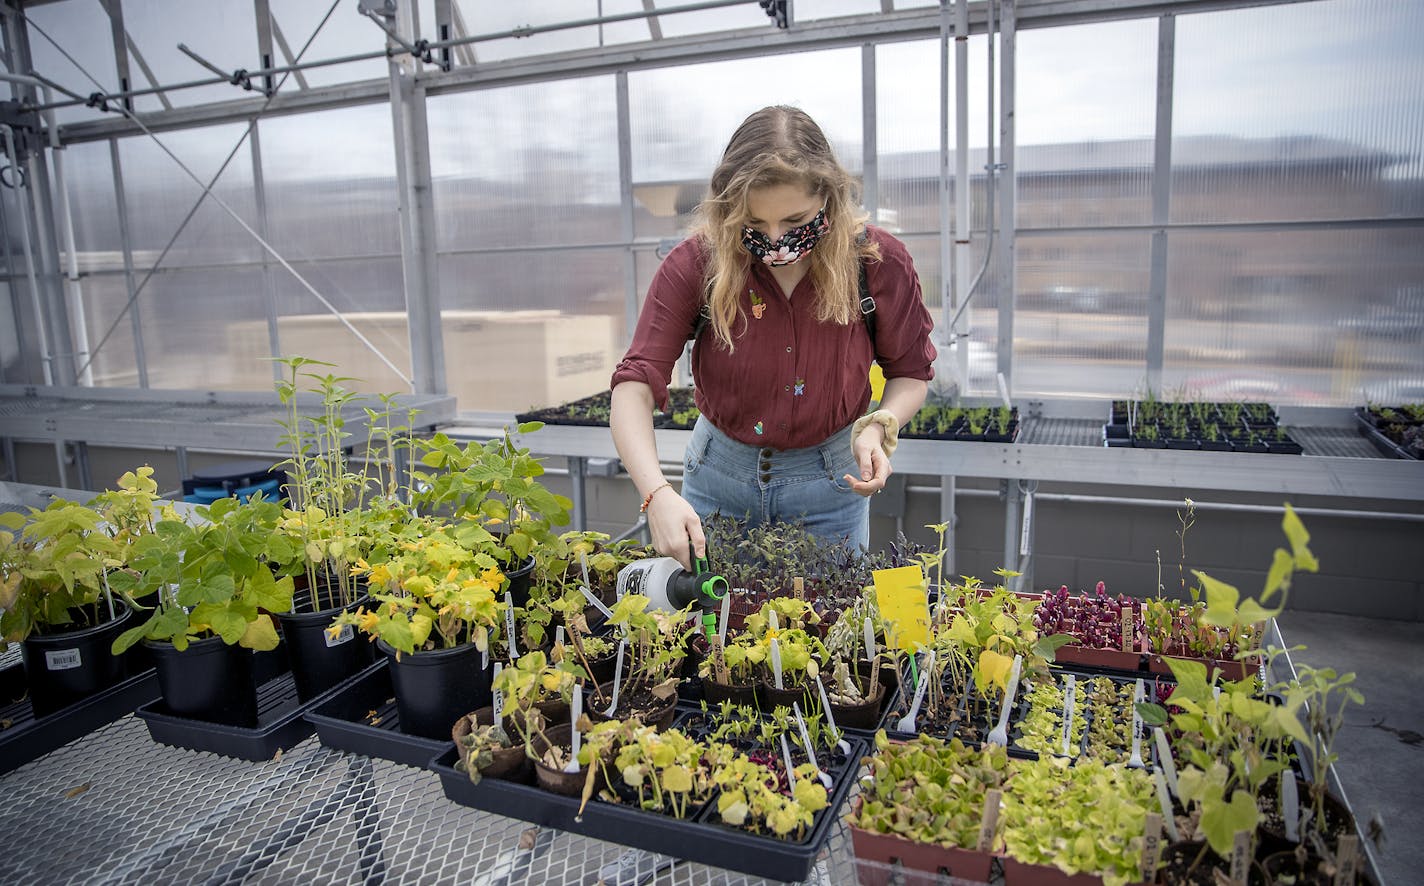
665,322
902,322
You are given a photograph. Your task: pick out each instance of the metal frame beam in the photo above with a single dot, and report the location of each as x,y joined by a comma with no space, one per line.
1161,201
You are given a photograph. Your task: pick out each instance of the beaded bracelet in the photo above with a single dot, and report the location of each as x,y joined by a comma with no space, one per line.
649,500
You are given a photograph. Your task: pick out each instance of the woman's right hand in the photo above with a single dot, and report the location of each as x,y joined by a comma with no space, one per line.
673,523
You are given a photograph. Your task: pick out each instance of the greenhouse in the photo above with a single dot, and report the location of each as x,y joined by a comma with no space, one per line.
711,441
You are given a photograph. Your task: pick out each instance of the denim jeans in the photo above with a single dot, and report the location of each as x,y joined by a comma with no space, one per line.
766,485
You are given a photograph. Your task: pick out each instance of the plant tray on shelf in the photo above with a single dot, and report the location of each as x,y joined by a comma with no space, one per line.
585,412
1387,437
25,737
360,717
698,838
279,725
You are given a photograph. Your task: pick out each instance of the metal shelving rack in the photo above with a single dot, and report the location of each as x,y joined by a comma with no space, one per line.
180,420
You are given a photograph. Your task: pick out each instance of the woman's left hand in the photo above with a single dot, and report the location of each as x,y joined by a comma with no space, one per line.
874,464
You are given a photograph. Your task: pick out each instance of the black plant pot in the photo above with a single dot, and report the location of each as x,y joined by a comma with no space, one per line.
61,669
209,680
318,661
519,582
434,689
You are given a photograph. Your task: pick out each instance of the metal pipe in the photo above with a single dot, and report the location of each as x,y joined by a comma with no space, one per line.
8,135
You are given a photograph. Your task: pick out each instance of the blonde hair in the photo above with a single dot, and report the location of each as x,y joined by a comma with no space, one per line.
782,146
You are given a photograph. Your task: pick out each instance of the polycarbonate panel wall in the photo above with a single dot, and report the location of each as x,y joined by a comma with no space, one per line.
529,165
1300,112
682,118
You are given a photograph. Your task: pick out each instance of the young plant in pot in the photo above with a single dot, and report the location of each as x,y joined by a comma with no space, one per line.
729,672
786,654
495,486
665,772
754,798
55,601
435,606
537,682
214,586
851,674
652,644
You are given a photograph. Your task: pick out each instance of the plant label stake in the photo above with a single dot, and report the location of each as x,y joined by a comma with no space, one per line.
1346,860
830,717
617,677
772,621
989,821
798,587
587,590
786,757
1164,758
109,595
1069,690
509,628
1135,762
1127,628
1000,733
722,618
575,711
1151,848
1240,857
1164,800
498,696
870,654
776,663
558,635
810,750
907,722
1290,805
719,661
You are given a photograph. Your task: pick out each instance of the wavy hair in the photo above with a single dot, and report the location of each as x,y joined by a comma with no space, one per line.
781,146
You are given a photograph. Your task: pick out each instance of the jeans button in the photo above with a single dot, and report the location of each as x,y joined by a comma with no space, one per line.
766,478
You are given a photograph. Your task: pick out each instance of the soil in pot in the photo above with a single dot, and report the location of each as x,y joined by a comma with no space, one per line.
1272,829
772,698
1192,863
740,694
549,762
1299,868
859,715
435,688
209,680
320,661
637,703
943,722
62,668
509,764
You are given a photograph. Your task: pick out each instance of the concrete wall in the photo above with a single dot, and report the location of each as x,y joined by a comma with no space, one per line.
1368,566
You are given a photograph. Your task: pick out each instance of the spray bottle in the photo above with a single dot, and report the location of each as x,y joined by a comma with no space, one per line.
669,587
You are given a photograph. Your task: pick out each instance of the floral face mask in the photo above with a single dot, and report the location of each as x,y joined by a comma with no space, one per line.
792,246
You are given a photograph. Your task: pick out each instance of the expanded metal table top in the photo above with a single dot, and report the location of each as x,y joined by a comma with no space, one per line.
116,807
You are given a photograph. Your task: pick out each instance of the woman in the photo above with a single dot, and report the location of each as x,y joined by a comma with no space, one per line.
781,363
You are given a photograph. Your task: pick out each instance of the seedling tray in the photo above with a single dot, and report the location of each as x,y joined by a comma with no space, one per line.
27,737
1382,442
360,717
279,725
699,839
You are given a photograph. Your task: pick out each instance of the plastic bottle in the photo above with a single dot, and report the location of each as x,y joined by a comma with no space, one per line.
670,587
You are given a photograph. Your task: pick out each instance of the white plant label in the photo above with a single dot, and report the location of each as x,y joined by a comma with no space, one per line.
1151,848
559,635
62,659
342,636
1240,857
1290,805
509,629
798,587
786,756
776,662
772,621
722,618
826,709
1164,758
805,736
1069,691
597,603
1347,858
1164,800
498,696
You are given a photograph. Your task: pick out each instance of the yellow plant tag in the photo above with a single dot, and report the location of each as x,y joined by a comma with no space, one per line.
904,604
877,382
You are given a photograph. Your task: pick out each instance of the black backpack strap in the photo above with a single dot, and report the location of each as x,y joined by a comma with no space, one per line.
867,306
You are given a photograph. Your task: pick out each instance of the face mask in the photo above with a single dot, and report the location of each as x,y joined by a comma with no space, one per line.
792,246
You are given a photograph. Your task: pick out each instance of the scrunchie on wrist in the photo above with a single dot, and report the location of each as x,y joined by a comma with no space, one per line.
887,420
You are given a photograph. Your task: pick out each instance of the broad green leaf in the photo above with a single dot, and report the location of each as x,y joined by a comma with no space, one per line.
1299,540
1221,821
224,622
1191,678
396,632
261,635
1152,714
1281,568
1221,599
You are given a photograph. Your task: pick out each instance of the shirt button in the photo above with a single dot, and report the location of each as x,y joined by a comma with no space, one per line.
788,349
788,387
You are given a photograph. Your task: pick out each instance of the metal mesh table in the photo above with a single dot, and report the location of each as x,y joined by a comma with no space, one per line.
116,807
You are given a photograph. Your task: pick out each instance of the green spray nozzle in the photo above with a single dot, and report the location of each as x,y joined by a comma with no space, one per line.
711,588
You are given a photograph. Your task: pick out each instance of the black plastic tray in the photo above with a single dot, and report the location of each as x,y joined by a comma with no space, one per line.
28,737
699,839
279,725
360,717
1383,443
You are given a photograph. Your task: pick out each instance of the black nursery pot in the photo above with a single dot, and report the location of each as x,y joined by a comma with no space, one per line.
209,680
434,689
519,583
318,661
61,669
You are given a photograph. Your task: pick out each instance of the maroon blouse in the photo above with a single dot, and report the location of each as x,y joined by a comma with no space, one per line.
792,382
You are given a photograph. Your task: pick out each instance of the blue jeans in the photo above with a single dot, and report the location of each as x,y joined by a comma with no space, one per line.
767,485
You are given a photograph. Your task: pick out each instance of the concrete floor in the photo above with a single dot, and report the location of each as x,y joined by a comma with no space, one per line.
1381,746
